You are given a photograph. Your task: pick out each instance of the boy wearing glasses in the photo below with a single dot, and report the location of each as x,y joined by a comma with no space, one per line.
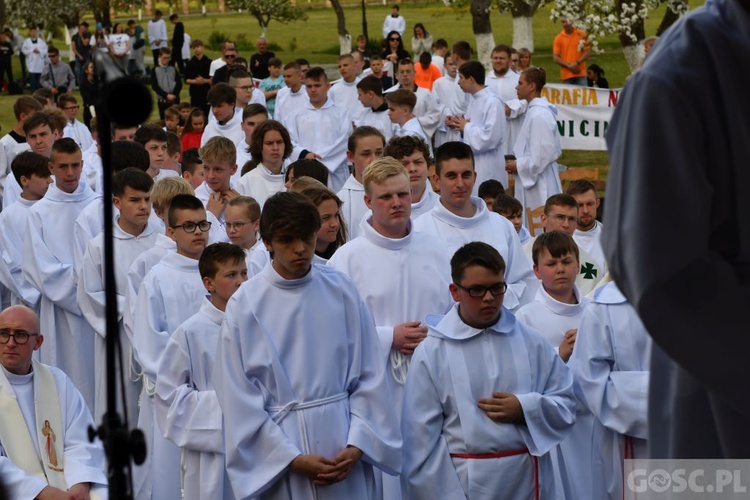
169,294
561,214
482,429
74,129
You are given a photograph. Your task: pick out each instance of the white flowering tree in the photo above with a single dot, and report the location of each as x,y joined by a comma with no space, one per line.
265,11
45,13
624,18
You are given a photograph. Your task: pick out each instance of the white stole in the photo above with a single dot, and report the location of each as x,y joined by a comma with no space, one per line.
18,445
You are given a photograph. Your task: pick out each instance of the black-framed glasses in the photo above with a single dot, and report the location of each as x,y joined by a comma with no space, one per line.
71,107
560,218
237,225
190,227
479,292
19,336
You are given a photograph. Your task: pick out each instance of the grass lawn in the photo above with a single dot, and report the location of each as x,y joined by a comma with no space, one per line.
316,39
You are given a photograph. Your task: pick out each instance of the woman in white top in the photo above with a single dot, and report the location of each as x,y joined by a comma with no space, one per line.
119,47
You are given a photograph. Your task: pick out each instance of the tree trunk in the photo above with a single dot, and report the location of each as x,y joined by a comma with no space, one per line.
523,32
480,22
222,6
263,31
668,20
345,40
3,13
185,7
632,48
149,5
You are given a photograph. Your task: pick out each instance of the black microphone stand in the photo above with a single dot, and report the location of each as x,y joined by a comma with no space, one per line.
128,102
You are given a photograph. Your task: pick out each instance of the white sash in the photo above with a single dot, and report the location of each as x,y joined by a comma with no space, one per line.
18,445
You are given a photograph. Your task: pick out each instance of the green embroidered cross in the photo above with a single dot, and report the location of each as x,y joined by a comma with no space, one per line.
588,271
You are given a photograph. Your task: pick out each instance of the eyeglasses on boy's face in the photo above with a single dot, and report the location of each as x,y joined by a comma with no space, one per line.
19,336
190,227
478,291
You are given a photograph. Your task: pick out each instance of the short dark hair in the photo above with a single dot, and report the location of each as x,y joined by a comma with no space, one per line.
292,65
29,163
67,146
150,132
174,144
559,200
173,17
502,48
275,62
506,204
490,188
580,186
217,254
25,105
462,49
238,72
290,214
165,51
64,99
133,178
183,202
53,50
221,93
302,61
402,97
537,76
127,154
252,110
359,133
191,158
308,168
473,69
406,145
316,73
37,119
476,253
441,43
450,151
113,127
557,244
371,84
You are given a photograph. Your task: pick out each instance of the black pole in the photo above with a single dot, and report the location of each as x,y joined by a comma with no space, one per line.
364,21
125,101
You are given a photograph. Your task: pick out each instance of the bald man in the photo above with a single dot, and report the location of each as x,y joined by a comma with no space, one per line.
44,448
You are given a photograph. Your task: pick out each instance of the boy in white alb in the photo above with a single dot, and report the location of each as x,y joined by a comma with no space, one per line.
270,148
169,294
511,209
31,171
610,364
588,231
556,313
74,129
414,155
48,264
483,126
370,94
131,191
320,129
415,284
219,157
344,92
300,431
227,119
365,145
291,97
401,112
486,397
252,116
187,410
154,139
450,100
459,218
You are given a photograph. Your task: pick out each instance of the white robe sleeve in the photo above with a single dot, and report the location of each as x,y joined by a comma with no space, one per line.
90,292
11,251
54,279
17,482
149,328
618,399
186,416
428,470
550,410
522,283
488,133
543,148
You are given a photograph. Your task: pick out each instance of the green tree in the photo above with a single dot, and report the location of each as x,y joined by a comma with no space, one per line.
266,11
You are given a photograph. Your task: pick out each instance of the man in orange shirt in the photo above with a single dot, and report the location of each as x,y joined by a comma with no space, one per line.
568,52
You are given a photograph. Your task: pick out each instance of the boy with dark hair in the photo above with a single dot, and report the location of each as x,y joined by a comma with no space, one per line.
270,86
15,141
154,139
401,112
370,92
453,445
365,145
346,409
192,167
252,116
344,91
460,218
174,153
414,155
227,119
187,409
131,191
172,119
74,129
31,171
320,129
170,293
293,95
489,190
48,245
511,209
